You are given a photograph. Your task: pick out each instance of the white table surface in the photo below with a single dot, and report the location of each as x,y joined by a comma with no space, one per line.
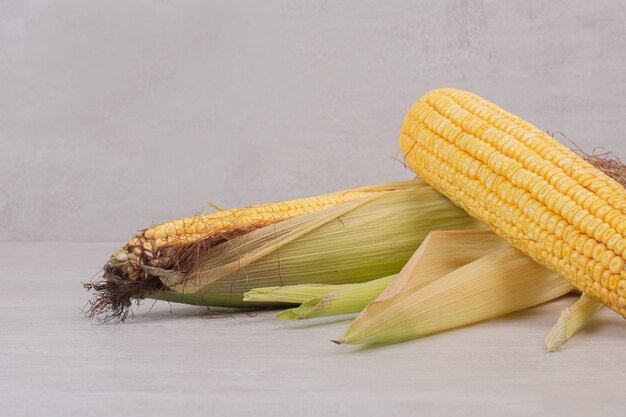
184,361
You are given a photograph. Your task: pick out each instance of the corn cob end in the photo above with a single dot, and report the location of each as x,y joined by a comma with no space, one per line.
124,278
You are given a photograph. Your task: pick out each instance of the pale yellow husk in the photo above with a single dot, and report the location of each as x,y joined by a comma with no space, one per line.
495,284
572,319
441,253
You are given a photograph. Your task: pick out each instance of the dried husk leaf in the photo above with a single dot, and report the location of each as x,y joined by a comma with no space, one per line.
441,253
496,284
572,319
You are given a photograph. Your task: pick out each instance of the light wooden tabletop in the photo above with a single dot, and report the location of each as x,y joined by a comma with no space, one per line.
182,360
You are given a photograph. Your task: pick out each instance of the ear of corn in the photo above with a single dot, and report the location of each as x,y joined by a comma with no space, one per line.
572,319
354,242
366,238
177,244
544,199
155,246
486,288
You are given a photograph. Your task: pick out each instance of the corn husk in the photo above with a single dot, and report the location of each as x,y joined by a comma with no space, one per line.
431,262
291,294
441,253
495,284
354,242
572,319
322,300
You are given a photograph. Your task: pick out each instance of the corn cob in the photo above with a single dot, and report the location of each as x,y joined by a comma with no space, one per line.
172,244
543,198
353,236
357,241
152,246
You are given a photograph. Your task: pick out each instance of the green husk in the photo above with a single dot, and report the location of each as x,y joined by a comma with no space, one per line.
355,242
345,299
291,294
572,319
433,259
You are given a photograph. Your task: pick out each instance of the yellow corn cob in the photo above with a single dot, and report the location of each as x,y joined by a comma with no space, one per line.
544,199
145,247
347,237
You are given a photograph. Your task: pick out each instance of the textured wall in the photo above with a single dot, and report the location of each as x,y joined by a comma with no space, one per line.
117,114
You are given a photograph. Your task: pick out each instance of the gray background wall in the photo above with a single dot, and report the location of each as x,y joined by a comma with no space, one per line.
118,114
